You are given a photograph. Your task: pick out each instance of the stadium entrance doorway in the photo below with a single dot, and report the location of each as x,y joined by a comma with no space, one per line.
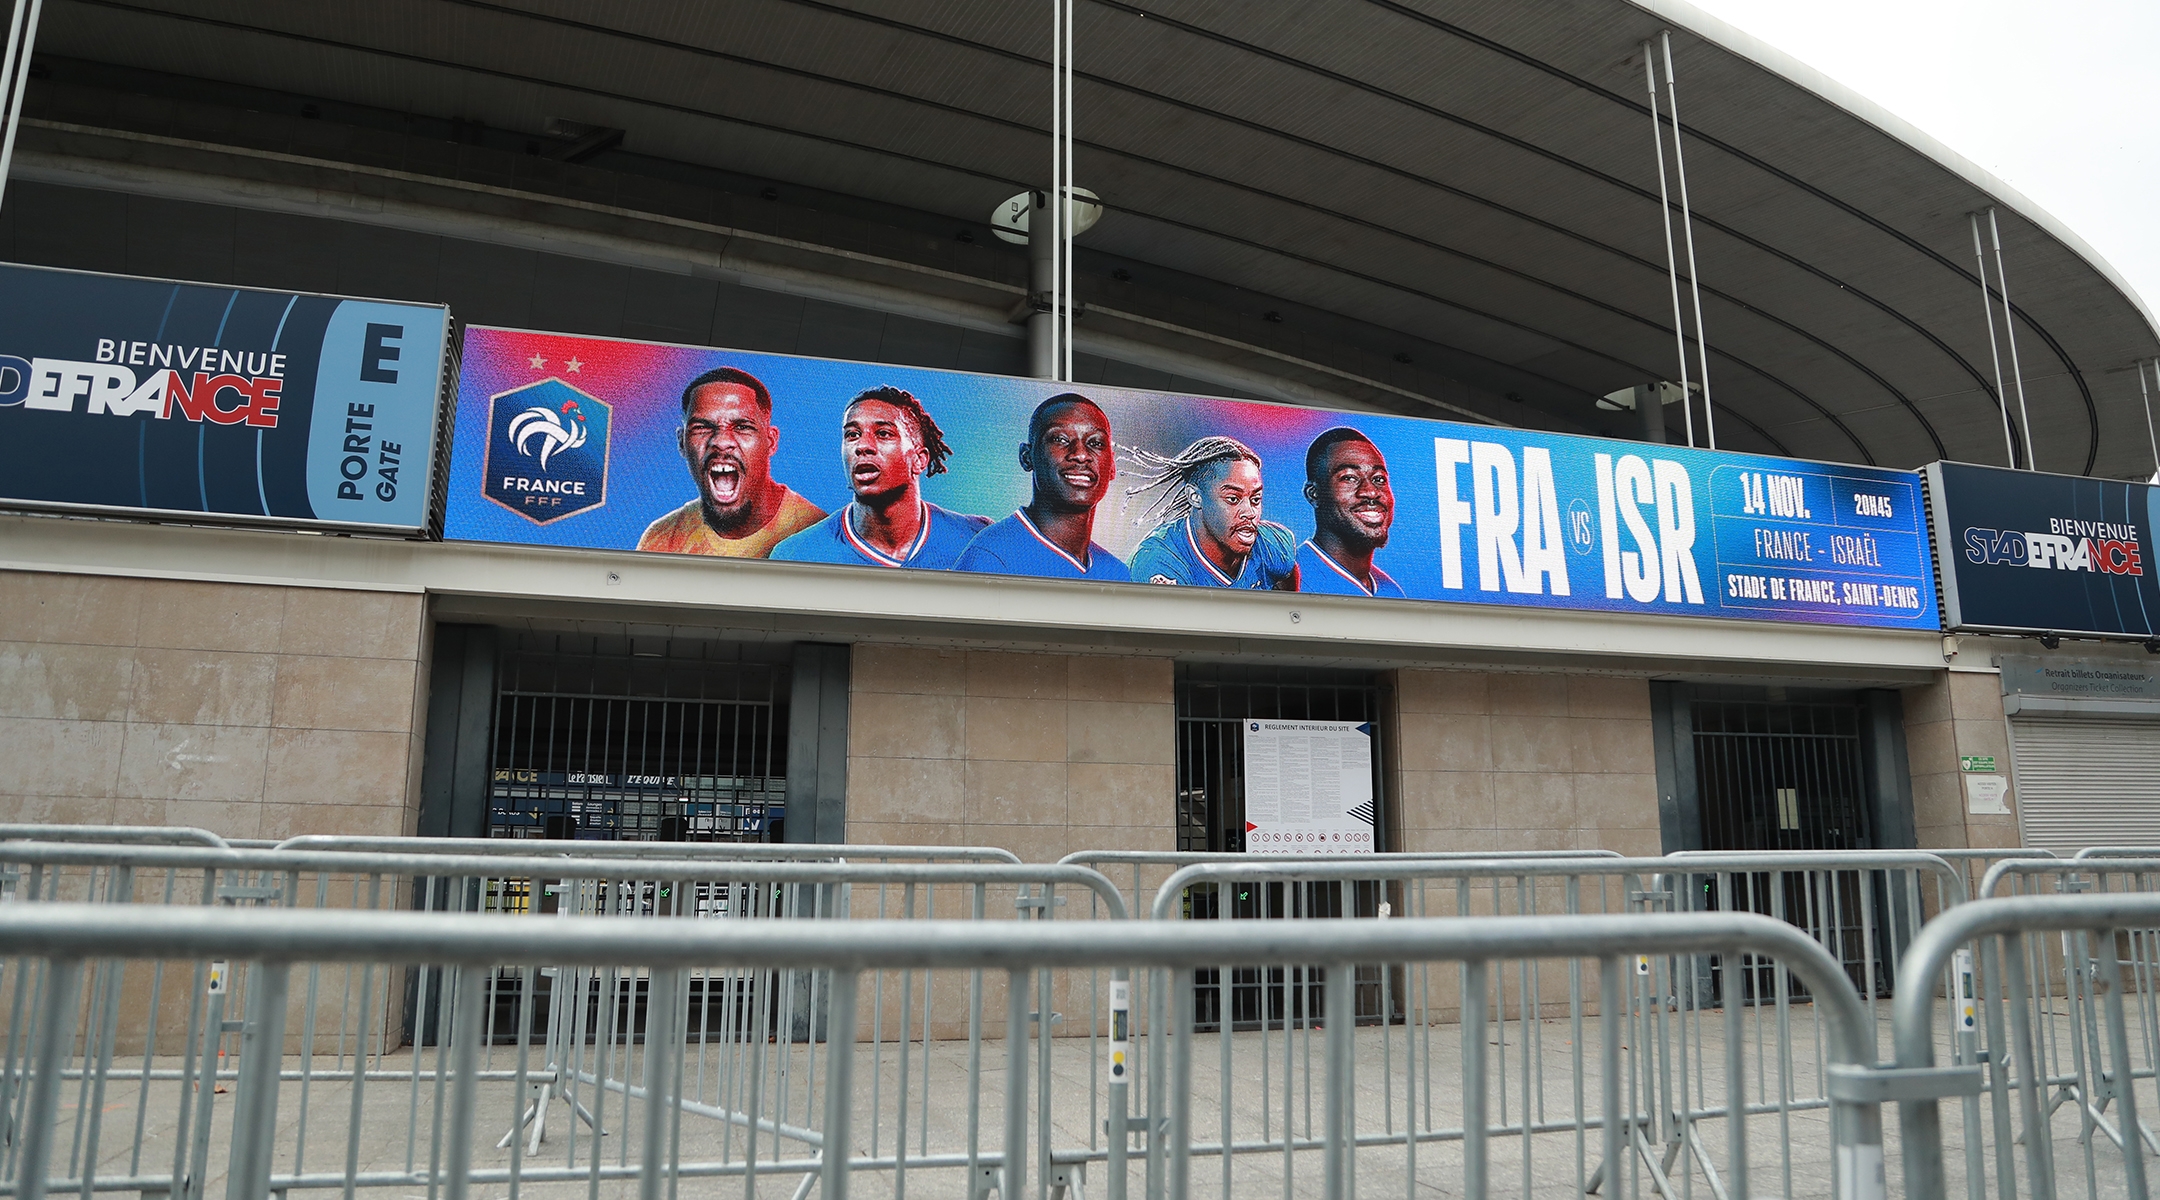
638,739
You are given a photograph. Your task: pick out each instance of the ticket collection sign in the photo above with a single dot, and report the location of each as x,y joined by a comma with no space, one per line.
2028,552
1308,787
150,397
626,445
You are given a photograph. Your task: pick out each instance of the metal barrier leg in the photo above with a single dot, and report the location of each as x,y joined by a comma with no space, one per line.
262,1054
1473,1074
466,1033
664,1045
1341,1077
2118,1039
1121,1068
56,1035
840,1088
1016,1094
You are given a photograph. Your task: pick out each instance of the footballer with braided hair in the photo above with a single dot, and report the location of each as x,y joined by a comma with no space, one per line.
1208,529
888,445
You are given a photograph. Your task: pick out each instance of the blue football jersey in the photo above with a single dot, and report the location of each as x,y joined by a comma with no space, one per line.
1171,554
937,546
1319,573
1013,547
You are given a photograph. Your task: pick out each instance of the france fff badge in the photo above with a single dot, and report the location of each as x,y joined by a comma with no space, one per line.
547,454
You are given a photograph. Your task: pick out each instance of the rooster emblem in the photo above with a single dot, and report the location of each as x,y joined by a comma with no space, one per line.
554,432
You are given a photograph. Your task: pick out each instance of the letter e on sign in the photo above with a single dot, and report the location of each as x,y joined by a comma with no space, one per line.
377,350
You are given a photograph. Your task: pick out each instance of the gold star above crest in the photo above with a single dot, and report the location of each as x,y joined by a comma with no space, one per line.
573,365
537,362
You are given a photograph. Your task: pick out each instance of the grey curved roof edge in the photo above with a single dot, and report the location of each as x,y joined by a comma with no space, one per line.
1682,15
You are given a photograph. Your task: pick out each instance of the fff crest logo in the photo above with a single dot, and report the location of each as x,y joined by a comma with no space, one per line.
547,454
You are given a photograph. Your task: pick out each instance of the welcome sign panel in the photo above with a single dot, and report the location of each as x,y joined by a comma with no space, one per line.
163,398
592,442
2027,551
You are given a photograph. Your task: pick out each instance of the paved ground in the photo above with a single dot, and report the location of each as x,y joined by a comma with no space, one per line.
1401,1083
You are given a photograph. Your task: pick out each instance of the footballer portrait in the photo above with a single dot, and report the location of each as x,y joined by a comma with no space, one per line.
1209,531
1346,481
889,444
727,439
1071,462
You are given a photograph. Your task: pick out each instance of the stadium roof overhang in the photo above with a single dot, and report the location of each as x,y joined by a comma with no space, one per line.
1475,175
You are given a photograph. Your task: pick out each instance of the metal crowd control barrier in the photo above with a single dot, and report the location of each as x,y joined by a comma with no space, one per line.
574,1033
169,835
655,1151
2036,1025
2101,873
763,851
1151,867
1859,907
2118,852
1975,864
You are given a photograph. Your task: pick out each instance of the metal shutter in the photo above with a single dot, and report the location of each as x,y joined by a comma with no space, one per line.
2085,782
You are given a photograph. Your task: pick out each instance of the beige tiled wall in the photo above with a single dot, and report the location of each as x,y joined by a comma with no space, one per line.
1041,754
251,711
1960,713
1525,762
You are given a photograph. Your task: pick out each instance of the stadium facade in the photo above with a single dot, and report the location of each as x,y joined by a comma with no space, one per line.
1453,229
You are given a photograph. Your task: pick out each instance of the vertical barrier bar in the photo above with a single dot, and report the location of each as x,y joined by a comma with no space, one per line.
840,1089
1342,1076
1611,1006
1121,1067
1473,1074
1736,1147
1180,1122
262,1054
1016,1092
2118,1036
465,1036
55,1036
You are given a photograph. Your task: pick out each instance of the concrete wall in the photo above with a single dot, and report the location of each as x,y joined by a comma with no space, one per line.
248,710
1960,713
1041,754
1525,762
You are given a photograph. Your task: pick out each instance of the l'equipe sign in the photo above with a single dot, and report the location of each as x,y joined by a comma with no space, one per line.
151,397
2027,552
619,445
1308,787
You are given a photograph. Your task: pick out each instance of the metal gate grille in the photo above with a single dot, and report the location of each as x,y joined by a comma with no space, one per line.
1775,776
622,739
1213,703
1790,776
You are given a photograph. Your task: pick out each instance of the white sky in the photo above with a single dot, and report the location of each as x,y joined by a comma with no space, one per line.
2061,99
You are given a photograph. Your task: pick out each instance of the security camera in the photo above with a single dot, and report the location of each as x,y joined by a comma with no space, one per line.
2152,645
2050,641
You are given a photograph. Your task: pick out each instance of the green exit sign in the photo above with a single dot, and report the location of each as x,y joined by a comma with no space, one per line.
1976,762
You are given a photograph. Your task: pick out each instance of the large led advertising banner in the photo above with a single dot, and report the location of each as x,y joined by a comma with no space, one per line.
2024,551
157,398
622,445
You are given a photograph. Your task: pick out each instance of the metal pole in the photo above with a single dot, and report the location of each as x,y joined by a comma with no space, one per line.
1056,232
2145,397
1672,261
1065,202
15,77
1687,228
2002,287
1042,284
1987,310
